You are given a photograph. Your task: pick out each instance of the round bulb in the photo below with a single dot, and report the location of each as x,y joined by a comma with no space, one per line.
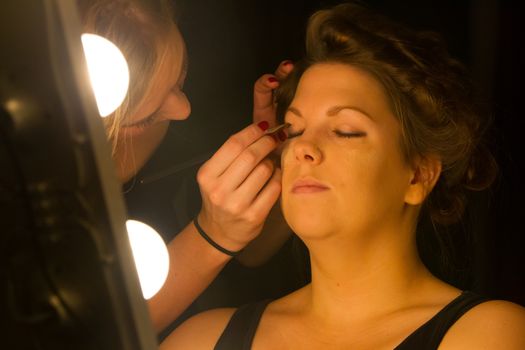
108,72
151,257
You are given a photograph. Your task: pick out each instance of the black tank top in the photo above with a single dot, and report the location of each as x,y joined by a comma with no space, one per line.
240,331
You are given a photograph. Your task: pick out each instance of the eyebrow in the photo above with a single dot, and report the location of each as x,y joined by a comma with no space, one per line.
333,111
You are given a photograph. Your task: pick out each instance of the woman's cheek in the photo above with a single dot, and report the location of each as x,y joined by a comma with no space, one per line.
285,154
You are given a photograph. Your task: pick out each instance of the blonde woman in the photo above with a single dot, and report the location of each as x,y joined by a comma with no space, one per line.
238,185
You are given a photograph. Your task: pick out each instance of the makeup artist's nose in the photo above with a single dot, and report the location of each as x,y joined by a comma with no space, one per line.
307,151
177,105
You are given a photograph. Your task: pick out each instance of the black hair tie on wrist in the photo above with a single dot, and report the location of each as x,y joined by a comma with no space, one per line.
210,241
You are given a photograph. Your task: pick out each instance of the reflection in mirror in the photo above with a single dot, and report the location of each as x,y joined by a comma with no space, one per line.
67,275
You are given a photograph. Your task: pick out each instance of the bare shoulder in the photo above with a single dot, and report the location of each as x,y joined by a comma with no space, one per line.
201,331
495,324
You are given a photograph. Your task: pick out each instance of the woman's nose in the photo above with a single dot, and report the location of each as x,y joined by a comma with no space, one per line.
177,105
307,151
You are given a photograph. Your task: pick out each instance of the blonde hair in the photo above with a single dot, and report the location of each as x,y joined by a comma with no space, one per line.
142,31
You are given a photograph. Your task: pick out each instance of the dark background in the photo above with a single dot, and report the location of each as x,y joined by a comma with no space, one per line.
232,42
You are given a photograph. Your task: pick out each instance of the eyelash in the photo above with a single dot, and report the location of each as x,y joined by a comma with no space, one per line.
347,135
146,122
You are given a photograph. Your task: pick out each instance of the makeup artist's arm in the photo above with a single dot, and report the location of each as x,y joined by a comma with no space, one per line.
238,188
275,231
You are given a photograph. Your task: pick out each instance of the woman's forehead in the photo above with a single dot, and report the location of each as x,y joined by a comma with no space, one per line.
170,66
337,81
172,54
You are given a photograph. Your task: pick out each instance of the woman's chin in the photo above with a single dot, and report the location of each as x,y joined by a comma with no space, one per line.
311,225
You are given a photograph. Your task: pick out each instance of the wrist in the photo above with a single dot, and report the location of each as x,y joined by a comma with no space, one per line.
212,240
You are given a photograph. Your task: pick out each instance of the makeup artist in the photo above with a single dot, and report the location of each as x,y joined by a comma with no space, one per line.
239,185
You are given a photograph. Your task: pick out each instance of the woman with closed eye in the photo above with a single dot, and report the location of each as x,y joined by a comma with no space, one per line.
383,130
238,184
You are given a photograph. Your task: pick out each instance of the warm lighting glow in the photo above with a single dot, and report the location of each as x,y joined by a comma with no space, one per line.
151,257
108,72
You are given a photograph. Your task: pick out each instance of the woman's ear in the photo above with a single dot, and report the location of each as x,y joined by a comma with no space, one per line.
425,174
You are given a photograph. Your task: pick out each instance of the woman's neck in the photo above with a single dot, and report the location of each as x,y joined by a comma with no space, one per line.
354,278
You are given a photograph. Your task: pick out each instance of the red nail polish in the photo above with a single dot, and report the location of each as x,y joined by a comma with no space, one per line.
263,125
272,79
287,62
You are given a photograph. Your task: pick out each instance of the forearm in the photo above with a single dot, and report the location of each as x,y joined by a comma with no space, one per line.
194,263
238,191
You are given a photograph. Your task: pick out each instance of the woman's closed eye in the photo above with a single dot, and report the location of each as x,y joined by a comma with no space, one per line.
144,122
291,134
348,134
338,133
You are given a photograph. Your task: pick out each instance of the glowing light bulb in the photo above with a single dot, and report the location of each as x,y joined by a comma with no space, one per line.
151,257
108,72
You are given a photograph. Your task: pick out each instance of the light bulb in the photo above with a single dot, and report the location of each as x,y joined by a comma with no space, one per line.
151,257
108,72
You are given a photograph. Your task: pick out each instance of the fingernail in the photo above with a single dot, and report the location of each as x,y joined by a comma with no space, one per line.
272,79
287,62
282,135
263,125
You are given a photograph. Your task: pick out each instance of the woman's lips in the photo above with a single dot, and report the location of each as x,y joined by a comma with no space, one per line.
308,186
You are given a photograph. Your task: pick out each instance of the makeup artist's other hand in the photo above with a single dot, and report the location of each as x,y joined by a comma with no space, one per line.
263,102
239,186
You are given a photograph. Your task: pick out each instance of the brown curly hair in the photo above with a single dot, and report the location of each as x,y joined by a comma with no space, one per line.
429,92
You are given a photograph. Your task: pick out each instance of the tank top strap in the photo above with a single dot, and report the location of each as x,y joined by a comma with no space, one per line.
430,334
240,330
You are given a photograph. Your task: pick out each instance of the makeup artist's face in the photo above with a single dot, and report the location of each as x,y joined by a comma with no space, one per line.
166,100
342,164
143,131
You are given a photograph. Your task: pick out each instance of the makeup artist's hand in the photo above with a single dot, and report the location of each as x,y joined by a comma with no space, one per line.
264,107
263,102
239,187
